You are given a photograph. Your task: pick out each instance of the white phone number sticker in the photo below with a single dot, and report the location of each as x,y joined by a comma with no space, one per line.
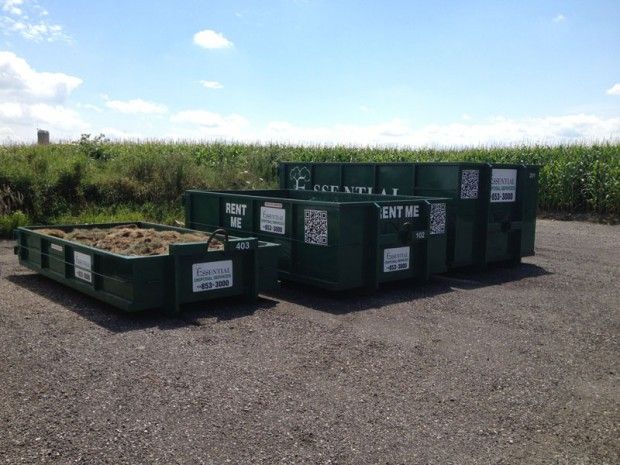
273,220
396,259
503,185
212,275
82,266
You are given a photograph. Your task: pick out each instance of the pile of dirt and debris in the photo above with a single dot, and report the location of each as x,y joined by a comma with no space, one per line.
129,239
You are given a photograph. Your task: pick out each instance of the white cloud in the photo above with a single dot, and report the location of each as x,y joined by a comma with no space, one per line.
207,118
39,32
392,129
24,118
28,20
283,131
119,134
559,18
211,84
210,39
89,106
31,99
10,110
137,106
614,90
388,133
57,116
495,131
6,133
13,7
506,131
18,81
202,123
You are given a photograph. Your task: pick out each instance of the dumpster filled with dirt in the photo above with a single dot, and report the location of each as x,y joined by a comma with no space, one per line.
137,266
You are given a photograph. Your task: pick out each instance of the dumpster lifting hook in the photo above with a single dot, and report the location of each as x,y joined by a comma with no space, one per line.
217,231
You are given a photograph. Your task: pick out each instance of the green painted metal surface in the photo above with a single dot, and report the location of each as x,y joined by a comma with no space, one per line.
493,211
189,273
333,240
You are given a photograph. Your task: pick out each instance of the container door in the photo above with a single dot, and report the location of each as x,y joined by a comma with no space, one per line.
200,275
316,244
461,184
530,202
273,222
505,213
403,234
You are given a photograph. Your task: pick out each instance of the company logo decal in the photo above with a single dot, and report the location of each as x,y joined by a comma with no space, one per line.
300,175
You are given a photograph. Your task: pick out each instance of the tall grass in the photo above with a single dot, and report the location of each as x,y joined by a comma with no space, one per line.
95,178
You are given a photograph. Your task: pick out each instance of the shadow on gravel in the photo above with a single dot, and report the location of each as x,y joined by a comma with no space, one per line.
337,303
118,321
467,278
357,300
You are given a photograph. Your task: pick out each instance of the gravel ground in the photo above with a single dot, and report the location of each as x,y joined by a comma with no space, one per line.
505,366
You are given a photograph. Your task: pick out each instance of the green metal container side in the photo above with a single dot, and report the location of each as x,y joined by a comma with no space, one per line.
189,273
493,212
329,239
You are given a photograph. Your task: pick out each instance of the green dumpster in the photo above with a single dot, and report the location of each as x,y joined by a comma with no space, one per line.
189,272
493,210
333,240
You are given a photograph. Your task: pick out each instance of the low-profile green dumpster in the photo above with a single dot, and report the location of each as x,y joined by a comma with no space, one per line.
493,210
333,240
189,272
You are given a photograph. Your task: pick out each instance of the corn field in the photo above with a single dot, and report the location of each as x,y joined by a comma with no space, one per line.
97,180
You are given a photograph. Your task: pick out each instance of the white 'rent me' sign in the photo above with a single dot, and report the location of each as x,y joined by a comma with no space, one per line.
503,185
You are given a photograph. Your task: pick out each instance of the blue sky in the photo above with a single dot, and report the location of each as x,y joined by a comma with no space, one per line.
388,73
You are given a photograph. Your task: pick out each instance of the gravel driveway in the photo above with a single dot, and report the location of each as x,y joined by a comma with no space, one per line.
505,366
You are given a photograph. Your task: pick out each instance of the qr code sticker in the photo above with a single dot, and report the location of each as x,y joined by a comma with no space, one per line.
315,227
438,218
469,184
